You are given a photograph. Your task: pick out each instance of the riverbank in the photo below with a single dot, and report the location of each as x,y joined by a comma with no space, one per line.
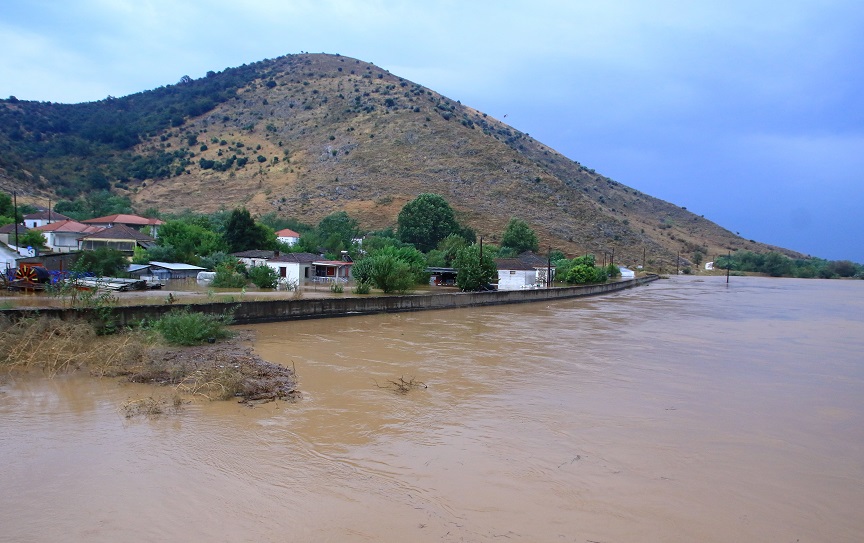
276,310
215,371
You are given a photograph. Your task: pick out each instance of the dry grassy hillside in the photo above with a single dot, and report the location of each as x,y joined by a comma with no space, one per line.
324,133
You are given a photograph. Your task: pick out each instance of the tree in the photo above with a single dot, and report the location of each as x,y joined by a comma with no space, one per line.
425,221
471,272
242,233
391,274
96,204
519,237
337,232
7,209
32,238
104,262
188,242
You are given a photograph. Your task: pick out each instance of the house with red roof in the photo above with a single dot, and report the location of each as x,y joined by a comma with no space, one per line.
119,237
132,221
287,236
63,236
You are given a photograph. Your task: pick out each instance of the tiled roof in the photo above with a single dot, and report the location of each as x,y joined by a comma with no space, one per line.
525,261
301,258
119,231
69,226
254,253
10,228
513,264
287,233
121,218
46,215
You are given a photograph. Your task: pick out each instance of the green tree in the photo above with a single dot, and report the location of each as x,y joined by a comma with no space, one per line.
188,241
471,272
104,262
425,221
390,274
582,274
519,237
263,276
98,203
777,265
7,210
242,233
31,238
229,275
337,232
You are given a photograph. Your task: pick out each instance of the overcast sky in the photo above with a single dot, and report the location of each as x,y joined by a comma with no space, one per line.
748,112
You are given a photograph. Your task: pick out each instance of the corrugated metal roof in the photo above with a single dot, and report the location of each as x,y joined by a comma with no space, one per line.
177,266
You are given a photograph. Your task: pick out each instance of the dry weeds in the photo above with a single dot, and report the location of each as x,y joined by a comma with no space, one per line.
216,372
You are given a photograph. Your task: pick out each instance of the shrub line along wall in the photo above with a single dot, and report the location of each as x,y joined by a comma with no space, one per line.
284,310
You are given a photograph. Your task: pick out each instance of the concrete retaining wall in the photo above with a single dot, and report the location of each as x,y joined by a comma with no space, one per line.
285,310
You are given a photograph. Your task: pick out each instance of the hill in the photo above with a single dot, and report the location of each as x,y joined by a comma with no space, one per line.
306,135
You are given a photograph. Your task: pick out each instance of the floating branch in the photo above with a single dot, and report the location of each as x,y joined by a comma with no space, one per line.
401,385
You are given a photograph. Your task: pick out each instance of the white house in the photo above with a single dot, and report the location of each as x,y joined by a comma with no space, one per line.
287,236
41,218
292,268
62,236
525,271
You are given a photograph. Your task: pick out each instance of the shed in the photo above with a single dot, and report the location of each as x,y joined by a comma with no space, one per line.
174,270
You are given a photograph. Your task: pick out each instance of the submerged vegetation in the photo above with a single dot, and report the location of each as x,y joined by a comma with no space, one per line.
155,353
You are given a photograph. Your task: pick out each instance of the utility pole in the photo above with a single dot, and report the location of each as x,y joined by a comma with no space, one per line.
549,269
728,265
677,262
15,205
643,257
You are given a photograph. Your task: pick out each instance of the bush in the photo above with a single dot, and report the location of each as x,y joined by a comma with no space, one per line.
337,288
182,327
263,276
227,276
362,287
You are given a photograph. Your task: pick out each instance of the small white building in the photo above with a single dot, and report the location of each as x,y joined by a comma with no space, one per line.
525,271
626,273
287,236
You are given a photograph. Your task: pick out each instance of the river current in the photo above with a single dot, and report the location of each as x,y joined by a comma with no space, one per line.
685,410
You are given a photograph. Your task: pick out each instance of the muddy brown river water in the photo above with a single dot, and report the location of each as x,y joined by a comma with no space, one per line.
682,411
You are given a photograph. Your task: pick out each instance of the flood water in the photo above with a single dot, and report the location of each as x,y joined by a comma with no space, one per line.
686,410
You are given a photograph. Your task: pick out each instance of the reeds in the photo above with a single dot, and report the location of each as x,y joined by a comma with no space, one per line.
53,346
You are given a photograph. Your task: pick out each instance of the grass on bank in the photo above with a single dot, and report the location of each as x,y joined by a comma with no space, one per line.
146,354
184,327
